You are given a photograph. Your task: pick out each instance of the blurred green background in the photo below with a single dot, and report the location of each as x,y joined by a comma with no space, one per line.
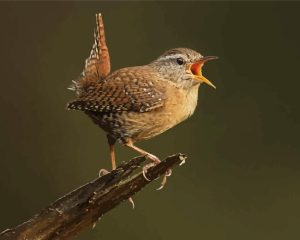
241,180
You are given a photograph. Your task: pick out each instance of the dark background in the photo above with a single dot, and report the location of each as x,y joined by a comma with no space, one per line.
241,180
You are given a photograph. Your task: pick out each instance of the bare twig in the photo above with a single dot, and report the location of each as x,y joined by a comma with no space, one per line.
84,206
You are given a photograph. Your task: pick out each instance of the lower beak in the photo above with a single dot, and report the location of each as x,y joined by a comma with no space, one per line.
196,69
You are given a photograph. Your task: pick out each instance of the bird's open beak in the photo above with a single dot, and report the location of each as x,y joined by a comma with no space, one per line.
196,70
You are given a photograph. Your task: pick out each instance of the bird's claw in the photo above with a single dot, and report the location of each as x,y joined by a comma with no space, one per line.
154,162
168,173
145,169
103,172
132,202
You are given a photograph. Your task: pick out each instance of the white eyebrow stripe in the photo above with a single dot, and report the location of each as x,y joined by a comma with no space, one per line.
173,56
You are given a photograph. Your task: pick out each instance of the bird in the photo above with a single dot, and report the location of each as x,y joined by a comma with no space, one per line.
134,104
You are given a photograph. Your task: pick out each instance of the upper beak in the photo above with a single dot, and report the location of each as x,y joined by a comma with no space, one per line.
196,69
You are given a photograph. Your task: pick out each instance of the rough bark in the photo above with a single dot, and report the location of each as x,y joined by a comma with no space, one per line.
84,206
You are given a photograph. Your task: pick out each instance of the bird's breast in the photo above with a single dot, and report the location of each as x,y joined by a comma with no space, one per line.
181,104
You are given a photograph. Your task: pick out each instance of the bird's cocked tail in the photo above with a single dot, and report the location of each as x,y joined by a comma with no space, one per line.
97,65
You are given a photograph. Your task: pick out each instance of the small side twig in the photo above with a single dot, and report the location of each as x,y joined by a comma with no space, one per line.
84,206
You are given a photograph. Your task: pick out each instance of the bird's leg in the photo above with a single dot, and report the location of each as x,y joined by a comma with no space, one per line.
111,142
155,160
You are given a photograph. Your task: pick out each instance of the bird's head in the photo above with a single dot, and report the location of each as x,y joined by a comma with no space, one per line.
182,66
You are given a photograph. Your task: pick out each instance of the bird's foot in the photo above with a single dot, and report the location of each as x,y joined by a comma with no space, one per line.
103,172
154,162
168,173
145,169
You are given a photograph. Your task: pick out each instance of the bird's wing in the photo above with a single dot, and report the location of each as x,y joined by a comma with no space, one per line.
130,89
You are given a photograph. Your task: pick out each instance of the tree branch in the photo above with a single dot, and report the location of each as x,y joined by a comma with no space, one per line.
84,206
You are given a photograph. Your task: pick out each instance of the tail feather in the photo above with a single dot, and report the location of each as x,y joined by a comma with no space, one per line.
97,65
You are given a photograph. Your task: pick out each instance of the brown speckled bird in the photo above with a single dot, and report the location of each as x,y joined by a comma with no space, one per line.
138,103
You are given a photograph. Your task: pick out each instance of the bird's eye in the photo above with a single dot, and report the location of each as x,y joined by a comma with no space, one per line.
180,61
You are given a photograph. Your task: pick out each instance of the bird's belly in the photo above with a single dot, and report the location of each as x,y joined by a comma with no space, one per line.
151,125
